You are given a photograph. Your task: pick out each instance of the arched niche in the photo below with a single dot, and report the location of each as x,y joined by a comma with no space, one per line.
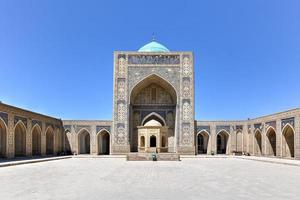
202,141
288,141
36,140
222,142
103,138
84,141
153,98
271,142
3,138
20,139
257,143
49,141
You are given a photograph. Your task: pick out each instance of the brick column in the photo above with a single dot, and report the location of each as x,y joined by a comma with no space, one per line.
214,138
232,137
75,147
28,138
278,138
94,140
43,139
10,142
245,136
252,137
263,140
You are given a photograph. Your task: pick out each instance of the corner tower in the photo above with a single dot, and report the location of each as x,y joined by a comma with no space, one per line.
153,83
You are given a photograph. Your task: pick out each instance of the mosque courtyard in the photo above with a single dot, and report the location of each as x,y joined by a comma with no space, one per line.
115,178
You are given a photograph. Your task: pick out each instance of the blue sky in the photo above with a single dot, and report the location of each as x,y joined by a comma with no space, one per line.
56,57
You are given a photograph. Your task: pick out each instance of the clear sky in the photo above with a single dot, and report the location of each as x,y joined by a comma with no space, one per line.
56,57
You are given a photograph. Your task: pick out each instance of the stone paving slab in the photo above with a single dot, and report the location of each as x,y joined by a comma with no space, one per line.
272,160
275,160
22,161
91,178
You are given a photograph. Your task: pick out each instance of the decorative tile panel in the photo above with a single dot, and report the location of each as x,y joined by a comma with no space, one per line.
34,122
4,117
239,127
99,128
154,59
223,127
18,118
201,128
258,126
272,124
290,121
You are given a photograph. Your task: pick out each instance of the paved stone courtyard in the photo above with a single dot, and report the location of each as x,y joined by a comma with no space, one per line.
114,178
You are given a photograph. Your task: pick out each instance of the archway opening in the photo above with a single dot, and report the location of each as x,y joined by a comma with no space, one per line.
84,142
142,141
222,143
163,141
202,142
67,140
3,138
288,142
239,141
271,142
153,98
103,143
258,144
20,140
50,141
36,141
152,141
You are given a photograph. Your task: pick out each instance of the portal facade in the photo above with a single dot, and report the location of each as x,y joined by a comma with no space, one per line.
150,85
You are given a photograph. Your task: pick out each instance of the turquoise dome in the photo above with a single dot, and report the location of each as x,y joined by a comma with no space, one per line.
153,47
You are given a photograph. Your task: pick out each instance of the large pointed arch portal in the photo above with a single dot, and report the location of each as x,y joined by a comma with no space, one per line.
152,95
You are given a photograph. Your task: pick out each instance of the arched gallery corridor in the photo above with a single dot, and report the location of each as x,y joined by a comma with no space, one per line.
36,141
3,138
288,141
84,142
257,143
202,142
103,143
222,142
271,142
20,140
50,141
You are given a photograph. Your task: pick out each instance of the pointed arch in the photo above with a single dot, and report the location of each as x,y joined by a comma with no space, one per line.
36,133
222,142
20,139
158,95
57,140
142,141
288,140
153,141
67,141
155,116
84,141
3,138
239,140
49,140
271,141
153,78
257,142
103,142
202,140
223,131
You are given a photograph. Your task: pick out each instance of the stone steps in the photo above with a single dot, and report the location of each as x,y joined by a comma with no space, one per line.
148,157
